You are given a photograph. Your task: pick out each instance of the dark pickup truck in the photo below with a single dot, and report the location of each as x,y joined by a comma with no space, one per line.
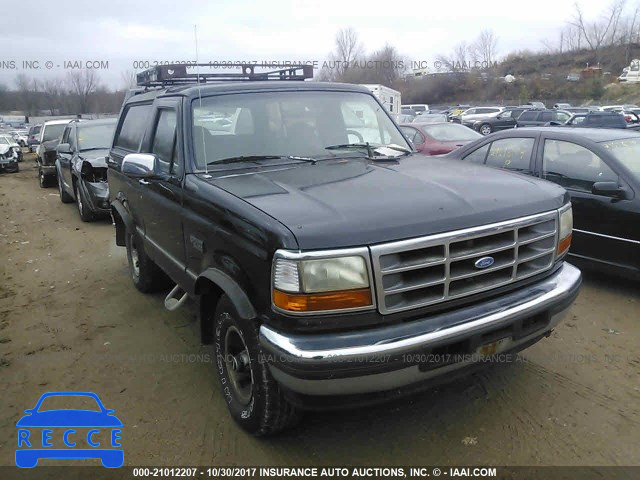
331,264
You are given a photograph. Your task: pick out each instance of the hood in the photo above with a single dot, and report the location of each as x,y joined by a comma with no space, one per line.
50,144
96,158
4,149
350,202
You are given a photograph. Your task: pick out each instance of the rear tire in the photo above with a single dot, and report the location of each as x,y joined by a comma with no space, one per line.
485,129
146,275
253,397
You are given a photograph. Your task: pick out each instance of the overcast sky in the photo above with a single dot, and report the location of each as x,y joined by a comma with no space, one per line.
124,31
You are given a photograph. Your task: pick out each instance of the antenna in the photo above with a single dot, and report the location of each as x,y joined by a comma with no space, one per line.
204,146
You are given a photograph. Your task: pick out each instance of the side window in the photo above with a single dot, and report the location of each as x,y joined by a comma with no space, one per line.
546,117
72,138
409,132
511,153
562,116
528,116
574,166
65,135
479,155
418,139
164,140
132,128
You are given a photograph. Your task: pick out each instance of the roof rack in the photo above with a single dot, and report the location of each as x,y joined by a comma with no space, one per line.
176,74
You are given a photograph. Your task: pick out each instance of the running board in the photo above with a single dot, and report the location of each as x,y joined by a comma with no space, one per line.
172,302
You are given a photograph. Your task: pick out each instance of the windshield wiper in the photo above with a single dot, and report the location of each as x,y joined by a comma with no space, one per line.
254,158
344,146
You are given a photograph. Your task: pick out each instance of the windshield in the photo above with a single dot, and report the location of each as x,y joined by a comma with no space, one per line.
284,124
53,132
627,152
450,132
5,140
95,136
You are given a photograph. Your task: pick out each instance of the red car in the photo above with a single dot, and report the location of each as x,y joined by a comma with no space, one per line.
438,138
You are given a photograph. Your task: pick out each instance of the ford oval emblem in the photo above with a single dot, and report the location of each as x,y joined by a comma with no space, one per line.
484,262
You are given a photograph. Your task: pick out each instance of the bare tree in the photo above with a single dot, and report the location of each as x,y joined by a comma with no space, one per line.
52,89
347,49
599,33
458,60
129,79
28,91
484,49
83,83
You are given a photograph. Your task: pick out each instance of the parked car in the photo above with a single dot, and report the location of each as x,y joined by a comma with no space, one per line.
8,156
536,105
431,118
81,166
20,136
418,108
402,118
438,138
454,113
536,118
574,77
600,170
561,106
33,139
14,144
597,120
506,119
393,255
46,152
472,115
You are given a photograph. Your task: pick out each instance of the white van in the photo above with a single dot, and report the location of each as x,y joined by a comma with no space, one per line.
631,74
419,108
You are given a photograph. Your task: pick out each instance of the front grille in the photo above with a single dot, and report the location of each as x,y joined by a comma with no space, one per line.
428,270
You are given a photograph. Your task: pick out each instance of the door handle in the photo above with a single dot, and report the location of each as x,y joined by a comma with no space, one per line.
142,181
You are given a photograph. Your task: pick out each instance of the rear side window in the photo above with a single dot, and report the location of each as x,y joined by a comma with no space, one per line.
133,127
546,117
526,116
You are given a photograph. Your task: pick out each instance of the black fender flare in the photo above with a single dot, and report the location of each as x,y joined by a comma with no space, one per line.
231,288
118,209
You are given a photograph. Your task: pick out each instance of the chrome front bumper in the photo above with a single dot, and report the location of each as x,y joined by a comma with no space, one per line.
381,359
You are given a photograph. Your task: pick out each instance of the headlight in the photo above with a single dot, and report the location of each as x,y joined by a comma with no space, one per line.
320,284
565,229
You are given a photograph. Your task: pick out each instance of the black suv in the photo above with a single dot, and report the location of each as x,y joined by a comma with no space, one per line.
330,263
538,118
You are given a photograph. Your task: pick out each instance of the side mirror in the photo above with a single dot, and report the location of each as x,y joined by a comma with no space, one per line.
608,189
63,148
140,165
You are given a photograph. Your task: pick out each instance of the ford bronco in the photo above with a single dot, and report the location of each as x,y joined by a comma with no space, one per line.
330,262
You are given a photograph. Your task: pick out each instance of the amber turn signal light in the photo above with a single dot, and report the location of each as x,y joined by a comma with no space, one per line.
564,244
300,302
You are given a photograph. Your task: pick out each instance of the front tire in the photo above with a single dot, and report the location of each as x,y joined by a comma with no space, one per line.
145,274
485,129
64,196
86,215
253,397
43,180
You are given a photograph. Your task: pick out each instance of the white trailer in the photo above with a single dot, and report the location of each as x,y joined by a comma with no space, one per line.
389,97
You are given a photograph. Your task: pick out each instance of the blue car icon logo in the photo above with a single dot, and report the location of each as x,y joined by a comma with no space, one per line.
66,433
